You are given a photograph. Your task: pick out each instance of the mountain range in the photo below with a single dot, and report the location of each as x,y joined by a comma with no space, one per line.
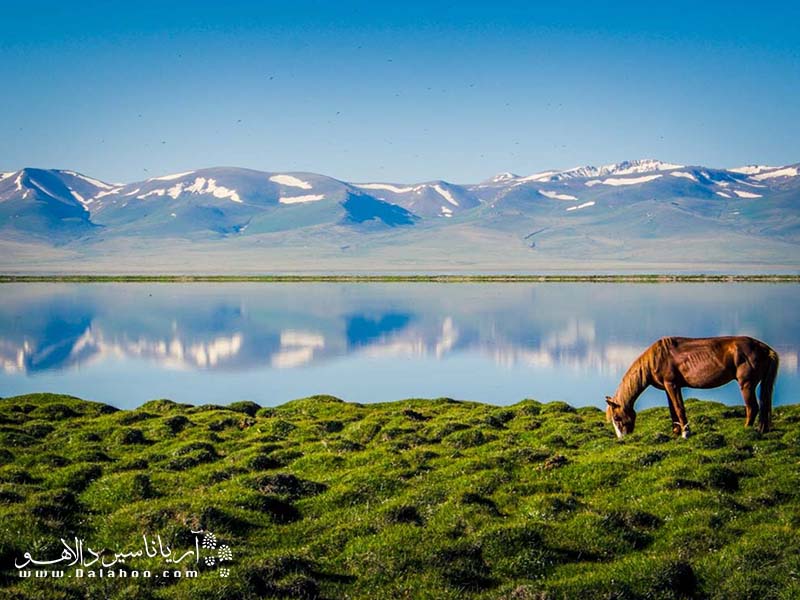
633,215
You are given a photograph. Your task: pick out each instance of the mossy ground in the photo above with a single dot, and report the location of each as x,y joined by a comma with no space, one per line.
415,499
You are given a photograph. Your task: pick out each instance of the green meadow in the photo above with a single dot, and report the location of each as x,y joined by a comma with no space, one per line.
432,499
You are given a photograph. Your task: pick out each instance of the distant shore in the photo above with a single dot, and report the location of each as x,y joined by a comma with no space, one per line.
632,278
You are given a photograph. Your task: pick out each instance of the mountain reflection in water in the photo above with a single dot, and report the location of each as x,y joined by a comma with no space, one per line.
547,341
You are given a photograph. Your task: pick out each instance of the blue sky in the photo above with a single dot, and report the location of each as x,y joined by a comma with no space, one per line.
395,91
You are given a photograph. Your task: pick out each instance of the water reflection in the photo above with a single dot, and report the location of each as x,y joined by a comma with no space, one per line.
586,328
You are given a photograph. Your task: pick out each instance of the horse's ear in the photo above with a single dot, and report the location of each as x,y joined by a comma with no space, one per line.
610,402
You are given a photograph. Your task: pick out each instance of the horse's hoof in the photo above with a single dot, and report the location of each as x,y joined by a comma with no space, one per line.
686,432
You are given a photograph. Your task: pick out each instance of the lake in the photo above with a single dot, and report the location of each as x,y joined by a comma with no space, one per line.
127,343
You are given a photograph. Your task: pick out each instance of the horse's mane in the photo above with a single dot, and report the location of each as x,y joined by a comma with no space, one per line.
637,377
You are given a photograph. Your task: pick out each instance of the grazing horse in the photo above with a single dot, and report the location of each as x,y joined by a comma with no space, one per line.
673,363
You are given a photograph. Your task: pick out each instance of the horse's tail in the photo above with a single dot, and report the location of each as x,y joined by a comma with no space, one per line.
765,393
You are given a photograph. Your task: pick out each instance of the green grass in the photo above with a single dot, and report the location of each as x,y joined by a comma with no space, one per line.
415,499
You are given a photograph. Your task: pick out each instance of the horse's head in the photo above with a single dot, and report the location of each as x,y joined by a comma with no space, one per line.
623,418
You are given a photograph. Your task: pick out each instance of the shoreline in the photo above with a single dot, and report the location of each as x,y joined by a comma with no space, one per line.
639,278
252,407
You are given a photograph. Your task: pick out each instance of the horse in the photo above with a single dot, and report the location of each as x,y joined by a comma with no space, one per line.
672,363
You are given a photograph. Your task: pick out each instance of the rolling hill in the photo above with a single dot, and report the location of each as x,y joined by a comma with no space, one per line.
641,214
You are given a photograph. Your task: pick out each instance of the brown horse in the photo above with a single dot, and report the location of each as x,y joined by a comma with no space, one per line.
673,363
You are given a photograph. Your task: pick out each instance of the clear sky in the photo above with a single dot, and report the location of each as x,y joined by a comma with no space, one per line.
402,91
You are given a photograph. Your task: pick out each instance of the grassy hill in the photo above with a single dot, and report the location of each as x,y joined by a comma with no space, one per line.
436,499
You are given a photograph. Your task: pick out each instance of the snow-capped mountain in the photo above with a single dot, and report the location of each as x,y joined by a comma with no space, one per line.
502,177
624,168
216,201
760,172
578,211
432,199
625,183
45,203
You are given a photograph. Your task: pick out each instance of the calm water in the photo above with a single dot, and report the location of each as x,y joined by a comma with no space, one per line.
124,344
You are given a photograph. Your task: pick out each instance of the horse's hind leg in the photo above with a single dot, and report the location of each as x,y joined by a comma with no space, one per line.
750,403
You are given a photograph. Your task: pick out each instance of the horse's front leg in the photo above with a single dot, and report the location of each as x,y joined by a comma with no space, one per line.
676,427
679,411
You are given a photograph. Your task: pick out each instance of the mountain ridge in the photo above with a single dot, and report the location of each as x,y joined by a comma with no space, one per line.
616,213
623,167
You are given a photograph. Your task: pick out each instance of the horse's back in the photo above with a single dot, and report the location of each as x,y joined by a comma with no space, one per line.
713,361
728,342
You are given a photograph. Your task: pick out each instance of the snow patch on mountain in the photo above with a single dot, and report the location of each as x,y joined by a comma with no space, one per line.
94,182
158,192
201,185
723,194
543,176
556,195
109,193
501,177
622,181
785,172
751,184
175,191
683,174
171,177
628,167
7,175
746,194
290,181
646,165
580,206
301,199
386,186
445,194
752,169
42,189
222,192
